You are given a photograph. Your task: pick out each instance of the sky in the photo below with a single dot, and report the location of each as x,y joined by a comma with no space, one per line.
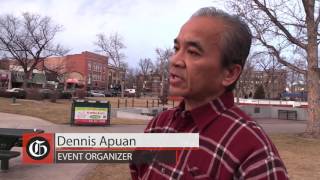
143,24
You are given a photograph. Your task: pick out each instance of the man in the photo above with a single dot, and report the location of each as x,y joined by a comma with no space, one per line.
210,52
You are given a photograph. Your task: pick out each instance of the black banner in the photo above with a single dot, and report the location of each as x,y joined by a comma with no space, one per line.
136,157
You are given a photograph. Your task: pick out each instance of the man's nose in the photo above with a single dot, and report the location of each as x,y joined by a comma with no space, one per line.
177,60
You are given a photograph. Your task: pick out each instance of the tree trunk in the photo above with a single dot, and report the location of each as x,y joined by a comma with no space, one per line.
313,126
122,88
26,77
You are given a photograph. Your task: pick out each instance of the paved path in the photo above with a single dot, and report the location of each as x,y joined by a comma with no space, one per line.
77,171
272,126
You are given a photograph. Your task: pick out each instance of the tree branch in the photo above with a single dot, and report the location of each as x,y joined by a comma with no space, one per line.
279,25
276,53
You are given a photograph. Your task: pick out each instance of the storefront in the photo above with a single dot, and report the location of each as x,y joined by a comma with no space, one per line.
38,80
5,79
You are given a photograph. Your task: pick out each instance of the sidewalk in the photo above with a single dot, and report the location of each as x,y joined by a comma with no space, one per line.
272,126
52,171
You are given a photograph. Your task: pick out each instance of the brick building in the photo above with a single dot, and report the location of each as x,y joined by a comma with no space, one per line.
86,70
273,83
12,75
116,76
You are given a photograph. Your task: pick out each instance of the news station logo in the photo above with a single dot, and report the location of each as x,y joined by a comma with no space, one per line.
38,148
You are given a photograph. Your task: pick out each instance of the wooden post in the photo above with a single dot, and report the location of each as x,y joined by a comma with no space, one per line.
147,103
118,103
152,102
125,102
172,103
132,102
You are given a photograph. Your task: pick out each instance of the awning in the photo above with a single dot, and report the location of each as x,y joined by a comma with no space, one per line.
72,80
4,77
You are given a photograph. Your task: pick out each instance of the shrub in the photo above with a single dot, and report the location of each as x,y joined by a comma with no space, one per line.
34,94
259,93
54,96
65,95
45,95
21,94
81,94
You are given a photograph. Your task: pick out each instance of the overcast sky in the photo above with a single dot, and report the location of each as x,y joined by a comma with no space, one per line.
144,24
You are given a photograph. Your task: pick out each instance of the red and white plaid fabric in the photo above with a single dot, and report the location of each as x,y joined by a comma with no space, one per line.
232,145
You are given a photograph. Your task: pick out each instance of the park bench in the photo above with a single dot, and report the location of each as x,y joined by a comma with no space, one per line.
10,137
5,156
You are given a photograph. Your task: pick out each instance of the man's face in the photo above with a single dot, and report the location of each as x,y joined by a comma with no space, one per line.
195,67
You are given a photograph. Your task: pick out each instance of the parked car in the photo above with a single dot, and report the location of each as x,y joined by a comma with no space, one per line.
45,93
45,90
108,93
130,92
17,92
115,93
95,93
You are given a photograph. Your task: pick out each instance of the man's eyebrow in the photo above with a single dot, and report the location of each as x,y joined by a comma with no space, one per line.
195,44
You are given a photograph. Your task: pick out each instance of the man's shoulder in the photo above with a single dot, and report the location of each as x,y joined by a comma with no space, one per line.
161,121
233,128
244,123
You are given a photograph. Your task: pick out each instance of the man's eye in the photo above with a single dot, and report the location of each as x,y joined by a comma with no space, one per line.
175,49
193,53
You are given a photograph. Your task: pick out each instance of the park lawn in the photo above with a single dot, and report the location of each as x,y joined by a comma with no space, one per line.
58,113
301,157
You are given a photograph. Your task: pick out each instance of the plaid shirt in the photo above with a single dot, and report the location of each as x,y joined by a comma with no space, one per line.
232,145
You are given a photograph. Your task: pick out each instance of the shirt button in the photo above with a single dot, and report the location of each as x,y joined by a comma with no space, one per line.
163,170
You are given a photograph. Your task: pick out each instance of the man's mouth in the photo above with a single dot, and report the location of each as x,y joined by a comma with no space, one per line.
175,79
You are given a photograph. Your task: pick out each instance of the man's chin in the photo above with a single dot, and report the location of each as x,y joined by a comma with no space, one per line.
175,92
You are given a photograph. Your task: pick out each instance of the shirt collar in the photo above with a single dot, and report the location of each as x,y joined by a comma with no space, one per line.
206,113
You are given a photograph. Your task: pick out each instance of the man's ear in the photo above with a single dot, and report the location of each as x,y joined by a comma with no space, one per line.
231,74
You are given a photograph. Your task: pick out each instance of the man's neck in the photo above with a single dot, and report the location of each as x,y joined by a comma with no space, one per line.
194,102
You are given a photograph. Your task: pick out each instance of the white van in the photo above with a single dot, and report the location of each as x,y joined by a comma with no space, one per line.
130,92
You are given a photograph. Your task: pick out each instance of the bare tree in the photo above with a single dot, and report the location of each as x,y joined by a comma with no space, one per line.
145,66
112,46
29,40
271,71
56,71
282,28
244,84
163,68
131,77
